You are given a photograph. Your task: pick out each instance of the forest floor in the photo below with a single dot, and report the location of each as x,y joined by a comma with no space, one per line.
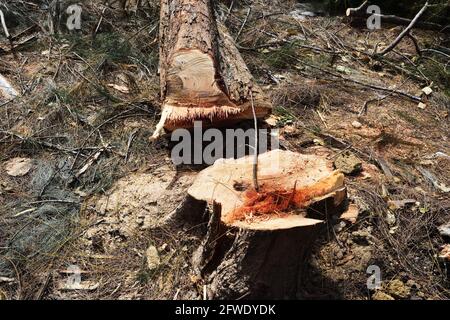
94,190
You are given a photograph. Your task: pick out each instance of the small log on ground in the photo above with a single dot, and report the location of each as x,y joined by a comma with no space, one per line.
258,242
203,76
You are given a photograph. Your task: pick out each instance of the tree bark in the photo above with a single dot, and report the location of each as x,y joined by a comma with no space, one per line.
238,263
203,76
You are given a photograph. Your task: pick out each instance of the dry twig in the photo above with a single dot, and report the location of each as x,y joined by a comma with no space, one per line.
405,32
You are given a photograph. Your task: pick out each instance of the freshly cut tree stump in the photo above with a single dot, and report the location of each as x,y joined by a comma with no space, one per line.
203,76
258,241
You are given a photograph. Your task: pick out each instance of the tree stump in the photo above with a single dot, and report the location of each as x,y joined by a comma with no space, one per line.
257,242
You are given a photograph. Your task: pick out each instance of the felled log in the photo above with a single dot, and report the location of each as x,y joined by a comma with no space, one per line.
358,18
202,75
258,241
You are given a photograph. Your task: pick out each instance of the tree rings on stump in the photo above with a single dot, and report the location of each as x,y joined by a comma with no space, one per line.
257,241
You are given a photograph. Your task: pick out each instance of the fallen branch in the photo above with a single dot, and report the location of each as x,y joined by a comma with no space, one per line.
415,42
5,28
41,143
367,85
359,16
7,34
334,52
243,24
405,32
255,150
130,141
363,110
90,162
345,145
433,180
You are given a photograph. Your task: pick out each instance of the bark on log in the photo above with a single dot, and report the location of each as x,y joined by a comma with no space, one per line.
239,263
358,18
203,76
257,243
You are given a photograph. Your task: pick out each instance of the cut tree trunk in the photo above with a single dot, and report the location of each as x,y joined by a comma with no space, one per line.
358,18
203,76
257,242
239,263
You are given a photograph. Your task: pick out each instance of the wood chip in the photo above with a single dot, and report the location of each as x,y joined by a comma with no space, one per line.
445,253
422,105
351,214
356,124
18,167
427,91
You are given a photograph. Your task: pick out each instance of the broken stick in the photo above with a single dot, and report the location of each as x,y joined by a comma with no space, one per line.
405,32
7,34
